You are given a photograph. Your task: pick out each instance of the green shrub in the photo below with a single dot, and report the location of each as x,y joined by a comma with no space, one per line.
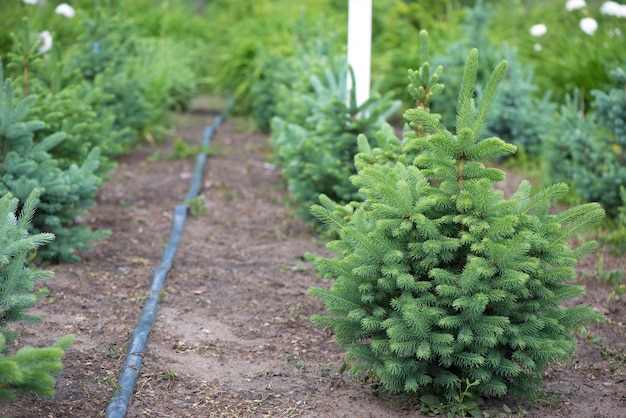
66,102
102,55
78,110
30,369
317,154
280,80
442,286
238,51
26,166
589,150
610,108
168,75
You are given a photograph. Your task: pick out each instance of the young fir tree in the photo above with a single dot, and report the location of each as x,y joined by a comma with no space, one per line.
26,165
442,286
29,369
589,150
65,102
316,154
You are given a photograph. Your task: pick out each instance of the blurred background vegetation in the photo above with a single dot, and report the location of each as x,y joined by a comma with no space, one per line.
223,41
150,56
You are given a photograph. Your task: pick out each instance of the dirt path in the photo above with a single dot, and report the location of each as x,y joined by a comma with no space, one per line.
232,336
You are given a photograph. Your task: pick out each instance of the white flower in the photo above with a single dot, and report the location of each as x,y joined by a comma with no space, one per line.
611,8
65,10
537,47
538,30
588,25
46,39
575,4
30,1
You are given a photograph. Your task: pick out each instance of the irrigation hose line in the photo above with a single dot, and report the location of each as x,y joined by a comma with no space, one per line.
119,403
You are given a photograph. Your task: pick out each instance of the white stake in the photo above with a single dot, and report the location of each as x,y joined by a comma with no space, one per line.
360,46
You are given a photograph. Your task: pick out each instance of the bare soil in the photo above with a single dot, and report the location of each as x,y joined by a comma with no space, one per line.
233,336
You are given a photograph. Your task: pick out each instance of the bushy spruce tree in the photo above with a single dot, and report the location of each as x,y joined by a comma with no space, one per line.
65,102
29,369
442,286
26,166
588,150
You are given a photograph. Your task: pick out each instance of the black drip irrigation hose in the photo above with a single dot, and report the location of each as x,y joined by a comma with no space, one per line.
119,403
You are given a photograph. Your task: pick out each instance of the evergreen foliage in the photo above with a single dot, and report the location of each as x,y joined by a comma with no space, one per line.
66,102
30,369
101,55
26,166
78,110
16,280
589,150
317,154
517,116
281,80
442,286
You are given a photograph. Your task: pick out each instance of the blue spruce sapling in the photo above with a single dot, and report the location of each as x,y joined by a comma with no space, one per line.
589,150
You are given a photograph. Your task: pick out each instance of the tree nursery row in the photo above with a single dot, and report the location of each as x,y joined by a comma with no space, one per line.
443,287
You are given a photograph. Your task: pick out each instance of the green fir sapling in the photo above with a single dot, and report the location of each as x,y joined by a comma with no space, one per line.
442,286
588,150
29,369
66,102
26,165
317,153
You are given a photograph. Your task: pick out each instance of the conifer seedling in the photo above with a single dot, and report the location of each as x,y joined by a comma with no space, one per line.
26,165
443,288
29,369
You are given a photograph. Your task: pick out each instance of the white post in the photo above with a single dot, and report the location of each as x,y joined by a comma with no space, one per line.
360,46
